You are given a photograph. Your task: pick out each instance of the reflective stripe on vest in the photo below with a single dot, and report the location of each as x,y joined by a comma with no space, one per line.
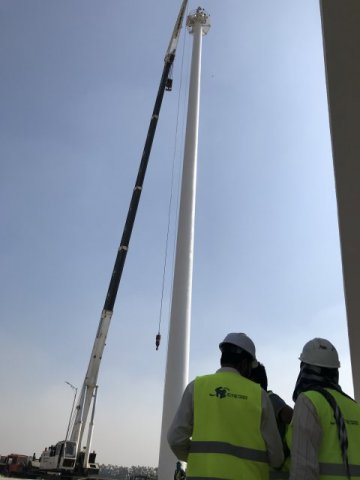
204,478
278,474
228,449
334,469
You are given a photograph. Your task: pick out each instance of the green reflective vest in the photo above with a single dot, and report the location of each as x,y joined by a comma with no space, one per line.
226,441
331,465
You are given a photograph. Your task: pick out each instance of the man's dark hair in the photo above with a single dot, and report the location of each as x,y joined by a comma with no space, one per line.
258,375
233,355
330,373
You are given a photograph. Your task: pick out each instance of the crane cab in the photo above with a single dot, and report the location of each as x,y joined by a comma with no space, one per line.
59,457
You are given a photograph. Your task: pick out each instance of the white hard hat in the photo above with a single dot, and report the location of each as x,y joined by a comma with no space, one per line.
240,340
321,353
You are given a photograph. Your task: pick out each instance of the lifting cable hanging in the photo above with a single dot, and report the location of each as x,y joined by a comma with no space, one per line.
158,336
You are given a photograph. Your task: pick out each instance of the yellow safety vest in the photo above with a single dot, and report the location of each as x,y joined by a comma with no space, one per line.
227,441
331,465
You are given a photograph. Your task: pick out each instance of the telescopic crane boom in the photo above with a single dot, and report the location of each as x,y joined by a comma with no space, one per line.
68,454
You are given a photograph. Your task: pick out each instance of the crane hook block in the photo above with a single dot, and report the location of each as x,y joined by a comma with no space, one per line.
168,85
157,341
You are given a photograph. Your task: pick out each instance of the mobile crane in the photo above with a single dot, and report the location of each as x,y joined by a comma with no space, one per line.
67,457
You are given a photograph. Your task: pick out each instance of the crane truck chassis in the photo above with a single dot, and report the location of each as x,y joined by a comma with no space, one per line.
63,458
57,461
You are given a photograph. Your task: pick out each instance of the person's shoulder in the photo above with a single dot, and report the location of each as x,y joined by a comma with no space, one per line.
275,396
277,402
305,402
202,378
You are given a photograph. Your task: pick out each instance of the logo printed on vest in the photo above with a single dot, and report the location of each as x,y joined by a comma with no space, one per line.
223,392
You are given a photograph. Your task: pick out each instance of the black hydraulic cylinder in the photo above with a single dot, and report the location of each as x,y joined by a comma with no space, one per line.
130,219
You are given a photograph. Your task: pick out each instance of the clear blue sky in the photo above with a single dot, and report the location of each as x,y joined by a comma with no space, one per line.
78,83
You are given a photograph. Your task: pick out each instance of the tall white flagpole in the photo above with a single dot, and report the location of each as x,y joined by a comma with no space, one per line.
177,365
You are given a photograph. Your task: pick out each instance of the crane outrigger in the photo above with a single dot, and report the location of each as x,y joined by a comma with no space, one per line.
67,456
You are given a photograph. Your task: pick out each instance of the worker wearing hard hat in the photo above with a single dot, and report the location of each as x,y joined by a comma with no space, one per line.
325,432
225,426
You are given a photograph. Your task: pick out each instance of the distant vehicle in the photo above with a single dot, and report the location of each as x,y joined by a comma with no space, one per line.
14,465
2,463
